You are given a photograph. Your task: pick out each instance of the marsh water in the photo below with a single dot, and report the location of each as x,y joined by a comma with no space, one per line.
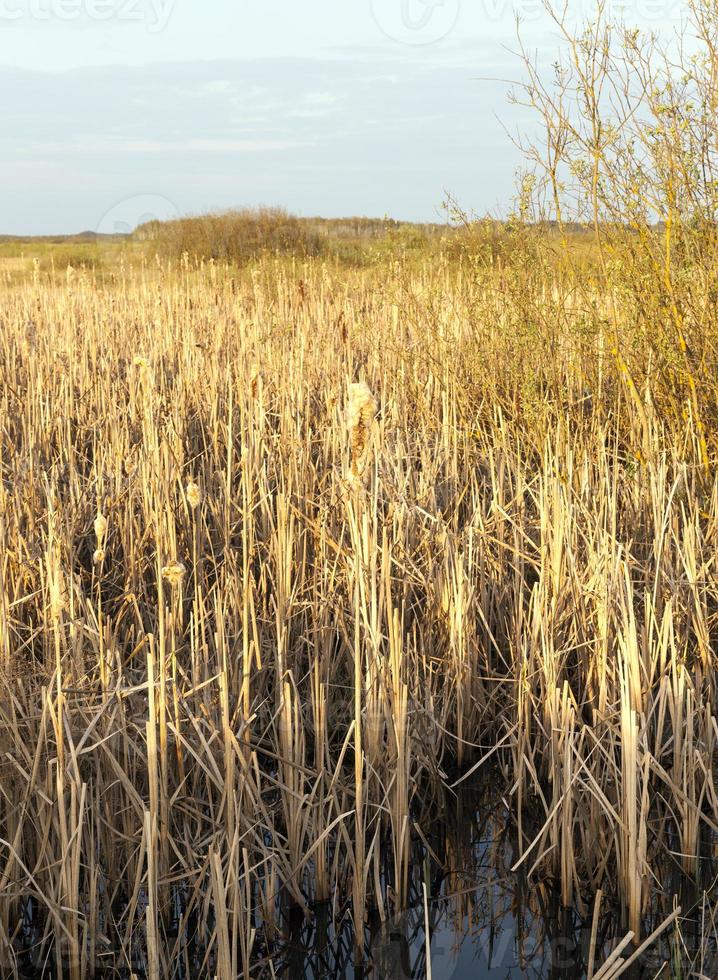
489,922
486,921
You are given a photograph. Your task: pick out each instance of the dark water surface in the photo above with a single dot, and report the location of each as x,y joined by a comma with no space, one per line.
487,922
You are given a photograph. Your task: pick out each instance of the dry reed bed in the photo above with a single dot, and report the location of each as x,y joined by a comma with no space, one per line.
233,662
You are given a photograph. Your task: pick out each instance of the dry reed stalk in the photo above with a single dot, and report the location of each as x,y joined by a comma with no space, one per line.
153,954
401,750
223,955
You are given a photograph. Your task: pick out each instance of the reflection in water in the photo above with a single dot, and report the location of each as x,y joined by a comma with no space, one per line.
485,921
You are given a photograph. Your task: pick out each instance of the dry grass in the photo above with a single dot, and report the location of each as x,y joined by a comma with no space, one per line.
232,670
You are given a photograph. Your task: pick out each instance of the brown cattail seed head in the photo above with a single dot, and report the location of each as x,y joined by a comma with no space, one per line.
143,366
57,596
194,495
174,573
361,410
100,529
254,374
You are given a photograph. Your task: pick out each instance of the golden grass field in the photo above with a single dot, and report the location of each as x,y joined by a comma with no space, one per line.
253,628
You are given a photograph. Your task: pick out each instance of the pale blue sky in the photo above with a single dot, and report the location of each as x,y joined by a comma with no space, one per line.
114,110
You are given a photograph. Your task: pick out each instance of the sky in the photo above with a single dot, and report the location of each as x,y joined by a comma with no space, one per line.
115,111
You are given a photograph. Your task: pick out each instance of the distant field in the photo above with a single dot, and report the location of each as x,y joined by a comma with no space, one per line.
243,236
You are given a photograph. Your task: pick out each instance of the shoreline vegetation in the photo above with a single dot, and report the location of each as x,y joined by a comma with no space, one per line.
243,235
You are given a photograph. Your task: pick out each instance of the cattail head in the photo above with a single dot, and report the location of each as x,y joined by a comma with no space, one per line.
254,375
174,573
143,366
57,595
194,495
100,529
361,410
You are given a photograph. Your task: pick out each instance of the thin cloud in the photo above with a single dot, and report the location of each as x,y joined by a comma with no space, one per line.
133,146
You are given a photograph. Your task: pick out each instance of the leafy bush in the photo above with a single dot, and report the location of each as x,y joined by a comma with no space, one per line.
234,236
